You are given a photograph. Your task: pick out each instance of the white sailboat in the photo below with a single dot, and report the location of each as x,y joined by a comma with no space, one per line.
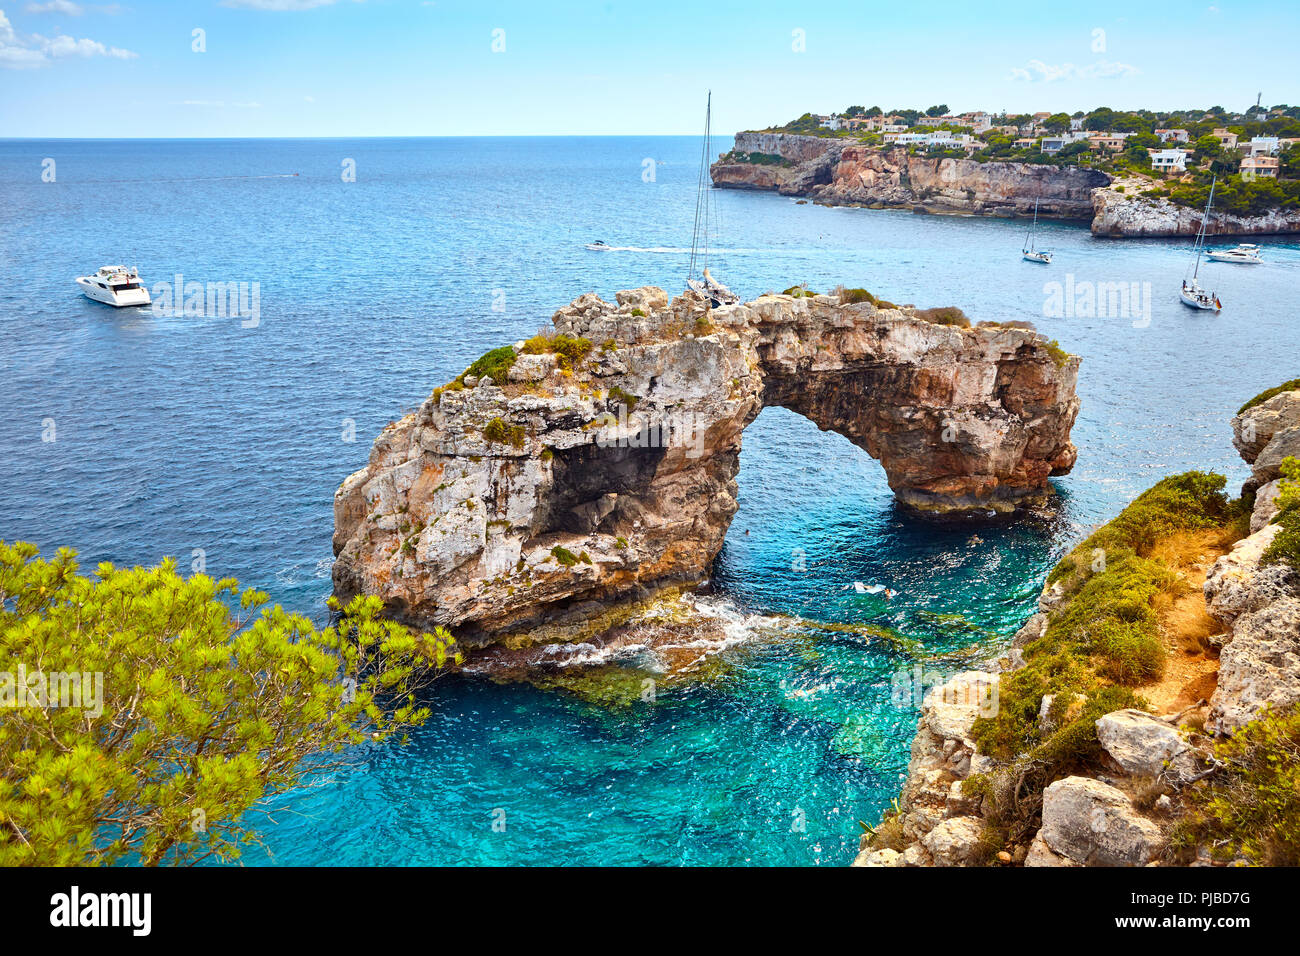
716,293
1191,293
1028,253
1244,253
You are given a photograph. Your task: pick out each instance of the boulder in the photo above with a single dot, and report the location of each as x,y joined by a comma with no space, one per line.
1284,444
1259,667
1144,745
1040,854
1095,824
885,857
955,841
1265,504
1239,582
951,708
1254,428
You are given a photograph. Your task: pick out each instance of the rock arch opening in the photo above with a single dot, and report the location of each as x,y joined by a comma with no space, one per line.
604,465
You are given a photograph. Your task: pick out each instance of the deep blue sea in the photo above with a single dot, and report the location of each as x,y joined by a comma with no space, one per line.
177,434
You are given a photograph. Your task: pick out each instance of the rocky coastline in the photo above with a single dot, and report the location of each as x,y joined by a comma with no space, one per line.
1127,790
594,466
841,173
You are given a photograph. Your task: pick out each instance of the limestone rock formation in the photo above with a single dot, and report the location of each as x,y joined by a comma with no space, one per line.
1259,664
1129,213
839,173
1095,824
599,464
1144,745
843,172
936,821
895,177
1111,818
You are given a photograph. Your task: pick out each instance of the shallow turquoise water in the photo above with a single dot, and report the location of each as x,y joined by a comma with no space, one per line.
176,434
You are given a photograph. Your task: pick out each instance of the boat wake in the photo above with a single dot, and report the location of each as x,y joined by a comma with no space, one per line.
672,250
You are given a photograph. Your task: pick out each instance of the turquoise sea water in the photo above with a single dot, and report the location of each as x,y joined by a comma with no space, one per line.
183,434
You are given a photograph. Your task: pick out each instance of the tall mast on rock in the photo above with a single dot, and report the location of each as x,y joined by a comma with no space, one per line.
700,240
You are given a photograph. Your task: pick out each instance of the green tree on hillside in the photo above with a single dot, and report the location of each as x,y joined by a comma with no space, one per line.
1057,123
940,110
198,704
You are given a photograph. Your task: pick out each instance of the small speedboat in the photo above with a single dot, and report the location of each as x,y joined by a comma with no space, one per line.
598,246
115,285
1246,253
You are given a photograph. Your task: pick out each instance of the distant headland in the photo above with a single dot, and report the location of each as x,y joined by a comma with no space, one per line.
1138,173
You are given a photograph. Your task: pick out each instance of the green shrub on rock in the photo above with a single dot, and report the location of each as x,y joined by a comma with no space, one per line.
501,433
1264,396
1250,808
1285,548
495,365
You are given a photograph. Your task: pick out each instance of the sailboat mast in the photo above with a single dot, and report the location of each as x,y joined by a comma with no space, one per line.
1205,219
701,207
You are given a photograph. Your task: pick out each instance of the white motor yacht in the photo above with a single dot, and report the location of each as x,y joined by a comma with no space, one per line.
115,285
1247,253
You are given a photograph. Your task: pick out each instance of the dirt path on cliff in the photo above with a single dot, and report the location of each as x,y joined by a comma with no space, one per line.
1191,669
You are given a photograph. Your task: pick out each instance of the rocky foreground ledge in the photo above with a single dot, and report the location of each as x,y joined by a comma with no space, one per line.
597,462
1167,738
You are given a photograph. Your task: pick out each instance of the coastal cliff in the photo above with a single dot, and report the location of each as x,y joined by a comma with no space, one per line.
597,463
1121,210
1127,723
840,172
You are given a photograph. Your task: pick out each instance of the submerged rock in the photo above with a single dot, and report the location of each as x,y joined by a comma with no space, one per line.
601,467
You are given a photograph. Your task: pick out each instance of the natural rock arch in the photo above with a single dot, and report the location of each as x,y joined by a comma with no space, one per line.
599,465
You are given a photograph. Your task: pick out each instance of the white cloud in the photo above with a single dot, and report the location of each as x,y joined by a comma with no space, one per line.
221,104
1036,71
277,4
20,53
57,6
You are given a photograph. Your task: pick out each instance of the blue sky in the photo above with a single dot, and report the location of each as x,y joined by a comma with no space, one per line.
416,68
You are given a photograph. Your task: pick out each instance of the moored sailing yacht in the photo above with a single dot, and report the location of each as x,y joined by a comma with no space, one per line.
1191,293
717,293
1028,253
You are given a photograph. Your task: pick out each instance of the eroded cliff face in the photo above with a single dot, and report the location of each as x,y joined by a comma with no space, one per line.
577,479
839,173
1258,602
1128,213
1105,814
893,177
